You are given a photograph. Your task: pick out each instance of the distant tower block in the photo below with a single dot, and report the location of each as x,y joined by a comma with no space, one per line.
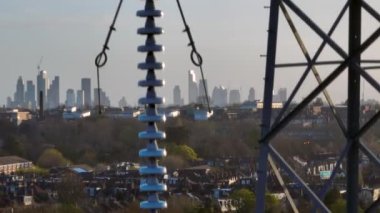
345,61
219,96
251,94
152,181
80,99
43,84
177,100
234,97
19,97
30,95
193,88
86,87
70,98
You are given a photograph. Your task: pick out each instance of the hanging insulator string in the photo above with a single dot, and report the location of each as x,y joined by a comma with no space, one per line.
195,57
101,58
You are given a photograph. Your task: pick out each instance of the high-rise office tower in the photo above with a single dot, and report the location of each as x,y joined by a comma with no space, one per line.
219,96
86,87
53,94
282,95
19,96
104,99
9,102
30,95
42,85
80,99
251,94
70,98
202,91
193,87
177,100
234,96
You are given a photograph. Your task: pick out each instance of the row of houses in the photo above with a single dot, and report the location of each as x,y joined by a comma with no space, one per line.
214,179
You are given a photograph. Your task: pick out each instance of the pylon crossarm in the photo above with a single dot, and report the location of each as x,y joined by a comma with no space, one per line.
315,58
284,165
321,63
313,68
315,28
370,80
304,102
311,63
370,10
305,52
372,38
371,67
331,42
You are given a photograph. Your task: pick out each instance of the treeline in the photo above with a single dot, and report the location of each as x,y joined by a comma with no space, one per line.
105,140
55,142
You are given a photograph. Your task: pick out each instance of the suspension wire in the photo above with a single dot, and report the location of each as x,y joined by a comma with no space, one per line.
101,58
195,56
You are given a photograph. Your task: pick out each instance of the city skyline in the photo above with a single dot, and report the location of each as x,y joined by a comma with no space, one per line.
25,94
70,34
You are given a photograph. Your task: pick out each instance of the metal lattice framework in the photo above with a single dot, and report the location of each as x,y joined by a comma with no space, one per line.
352,64
153,173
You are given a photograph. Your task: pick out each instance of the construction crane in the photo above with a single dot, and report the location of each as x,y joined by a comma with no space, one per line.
39,64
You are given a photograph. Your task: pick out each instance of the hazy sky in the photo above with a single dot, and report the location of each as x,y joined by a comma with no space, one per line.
230,35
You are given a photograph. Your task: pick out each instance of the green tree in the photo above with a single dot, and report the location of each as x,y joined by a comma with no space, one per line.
52,157
272,204
185,151
245,200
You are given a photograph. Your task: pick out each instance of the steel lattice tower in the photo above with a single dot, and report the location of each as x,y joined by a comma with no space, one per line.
351,64
153,173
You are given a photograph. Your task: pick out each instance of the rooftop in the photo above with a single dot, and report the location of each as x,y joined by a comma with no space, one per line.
12,159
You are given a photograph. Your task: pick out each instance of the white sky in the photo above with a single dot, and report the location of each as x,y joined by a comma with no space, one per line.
229,34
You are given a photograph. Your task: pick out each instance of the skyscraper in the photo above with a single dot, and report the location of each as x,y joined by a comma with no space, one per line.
282,95
42,85
104,99
30,95
193,87
234,96
202,91
80,99
86,87
177,100
70,98
53,94
251,95
219,96
9,102
19,97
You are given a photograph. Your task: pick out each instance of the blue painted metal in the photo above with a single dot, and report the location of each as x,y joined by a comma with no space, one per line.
153,174
158,153
267,110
